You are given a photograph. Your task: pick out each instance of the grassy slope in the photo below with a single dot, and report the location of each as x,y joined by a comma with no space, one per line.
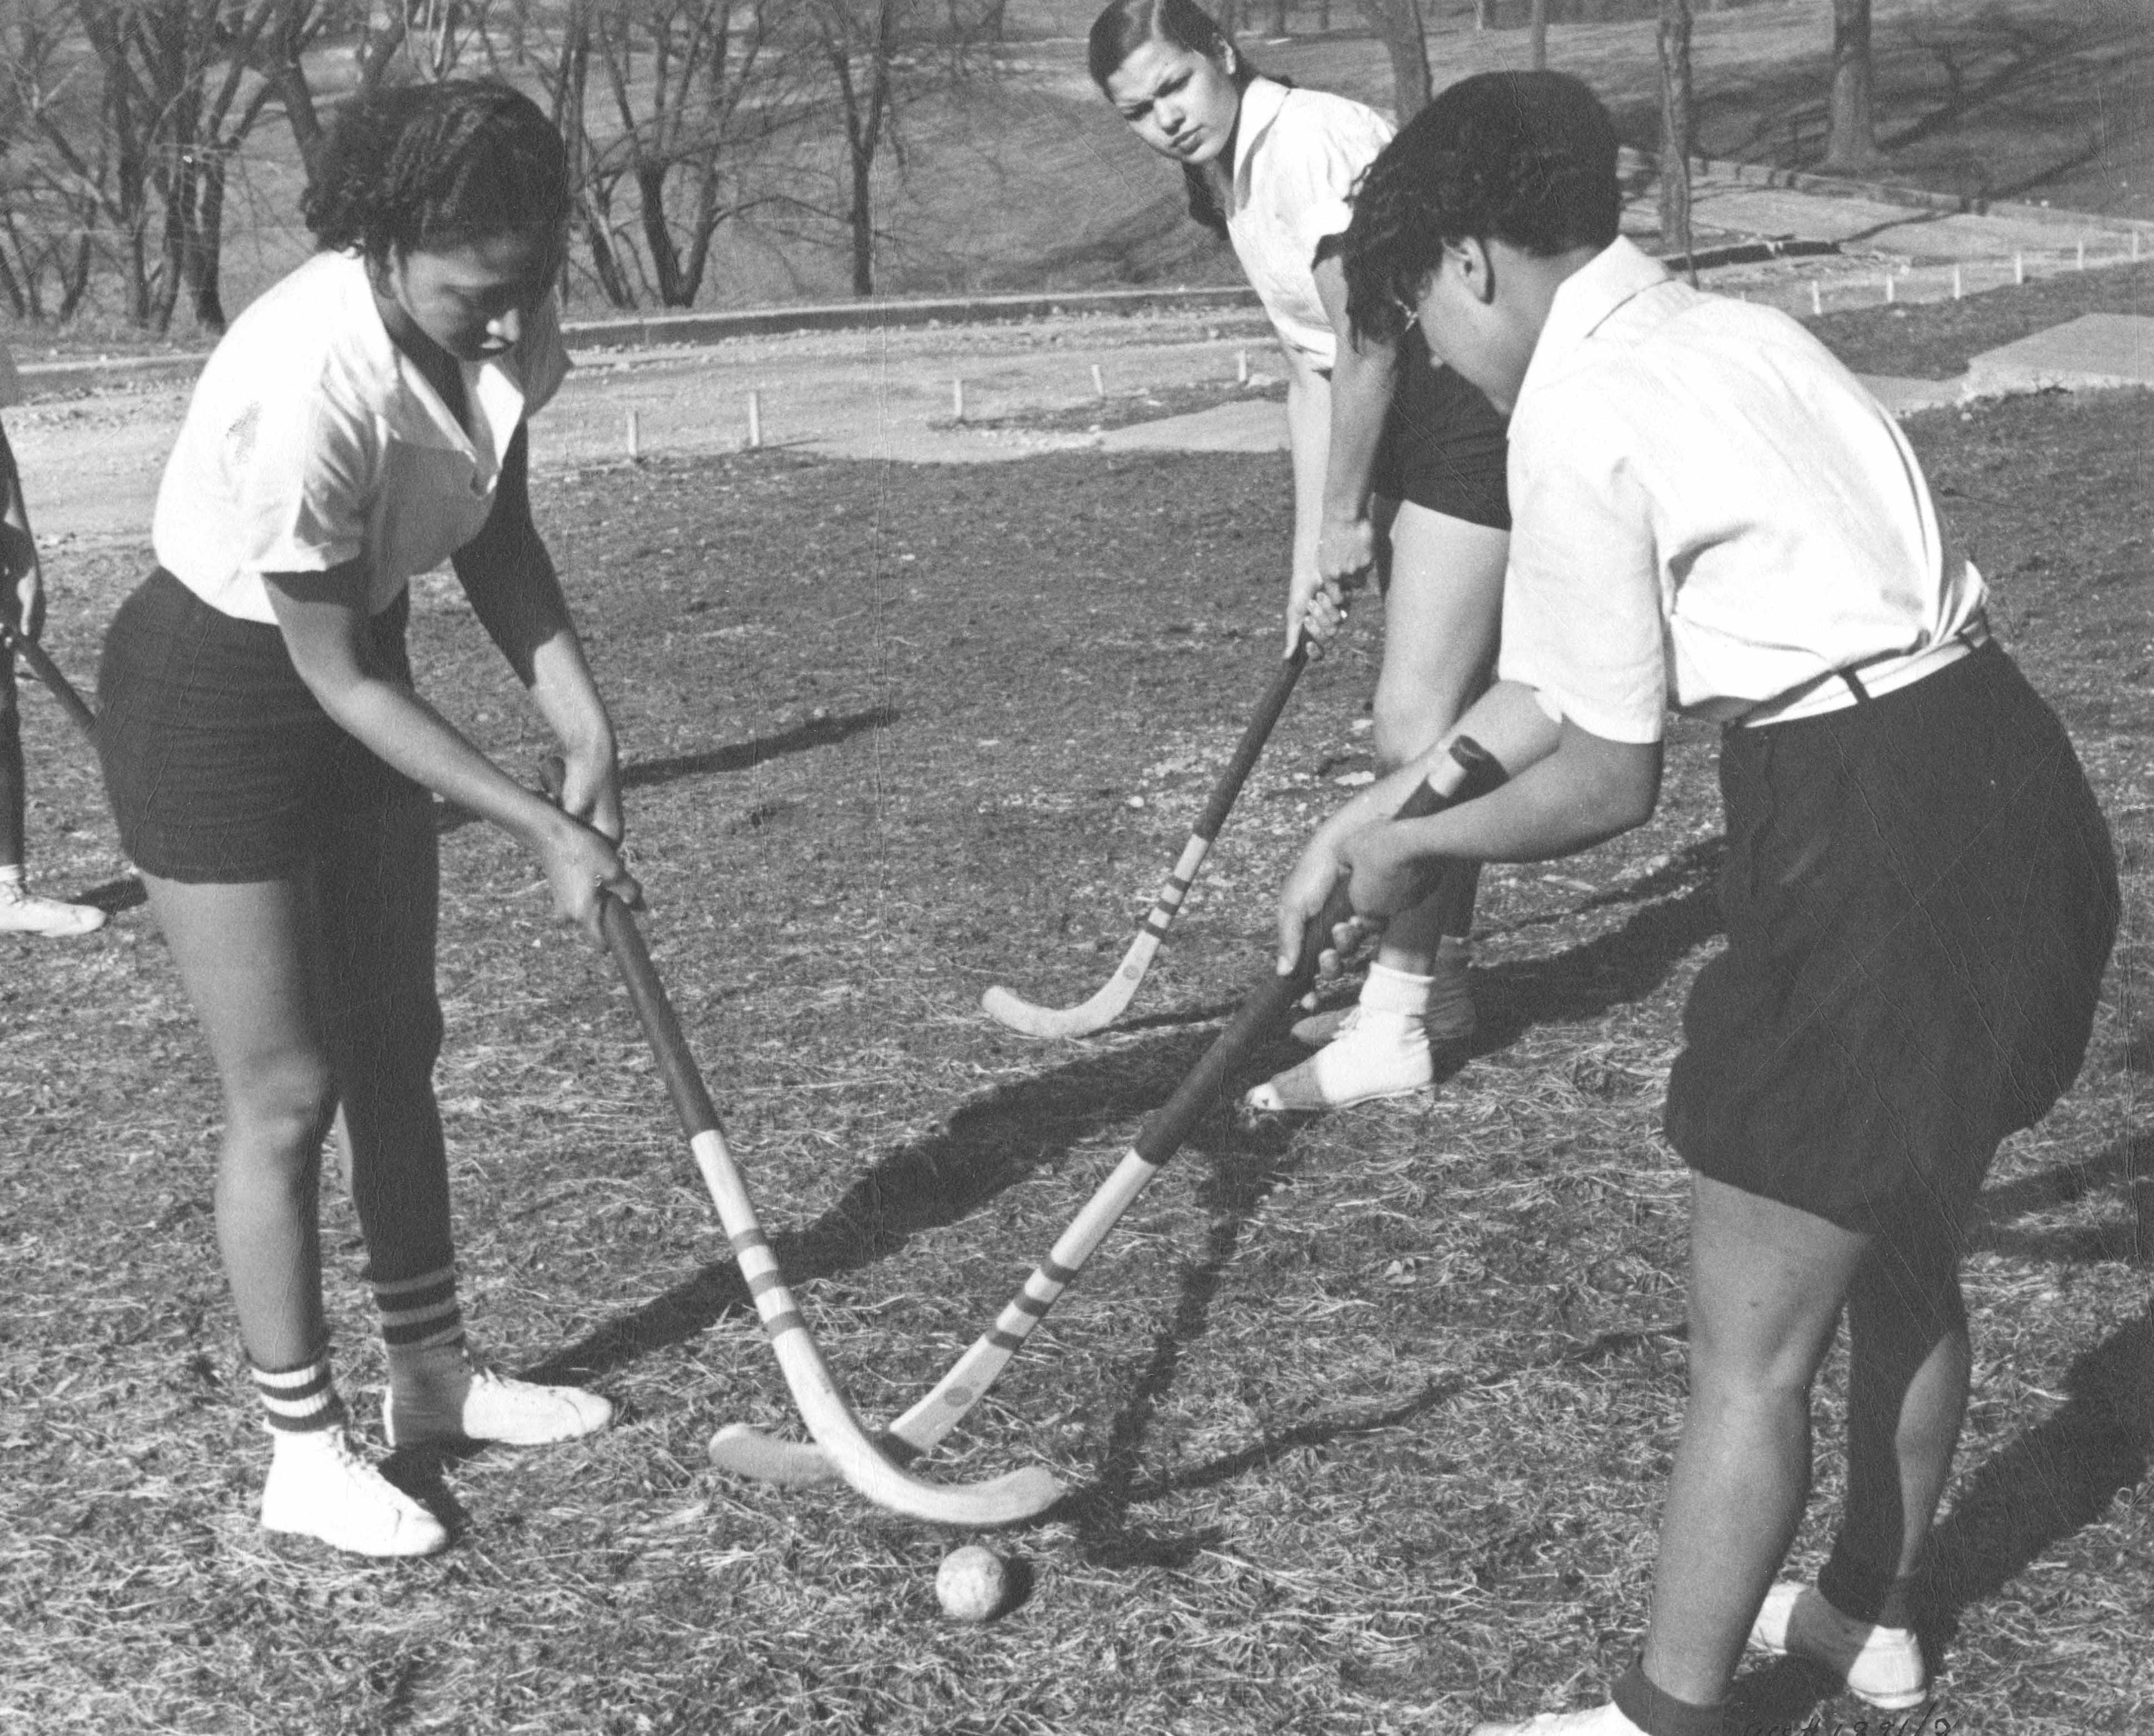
1030,180
1367,1425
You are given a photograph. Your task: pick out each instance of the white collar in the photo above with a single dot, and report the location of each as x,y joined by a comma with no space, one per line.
1261,103
1585,299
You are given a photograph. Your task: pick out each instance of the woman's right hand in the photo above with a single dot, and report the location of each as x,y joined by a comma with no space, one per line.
1314,612
580,863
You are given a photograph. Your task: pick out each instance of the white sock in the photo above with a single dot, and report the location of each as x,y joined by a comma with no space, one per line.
1386,990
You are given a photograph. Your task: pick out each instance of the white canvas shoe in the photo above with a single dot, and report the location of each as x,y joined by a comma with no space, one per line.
1602,1721
319,1486
25,912
493,1408
1882,1665
1374,1054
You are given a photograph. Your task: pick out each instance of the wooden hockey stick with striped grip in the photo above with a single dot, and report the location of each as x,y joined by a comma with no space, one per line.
48,672
1115,994
844,1444
748,1452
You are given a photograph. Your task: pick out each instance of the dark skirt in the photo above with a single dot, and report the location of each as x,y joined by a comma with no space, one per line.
219,762
1444,442
1919,896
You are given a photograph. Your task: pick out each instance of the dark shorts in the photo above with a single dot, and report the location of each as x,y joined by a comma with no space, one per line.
1920,896
220,764
1443,445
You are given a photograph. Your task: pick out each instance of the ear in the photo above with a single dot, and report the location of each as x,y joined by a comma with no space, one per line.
1476,268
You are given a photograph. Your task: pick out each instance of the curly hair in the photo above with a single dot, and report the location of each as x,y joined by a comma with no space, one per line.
1527,158
436,165
1127,26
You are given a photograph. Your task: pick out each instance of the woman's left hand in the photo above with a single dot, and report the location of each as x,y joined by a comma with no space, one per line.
1384,875
590,790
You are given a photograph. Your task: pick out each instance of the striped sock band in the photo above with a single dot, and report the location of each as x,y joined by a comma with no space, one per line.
420,1314
300,1400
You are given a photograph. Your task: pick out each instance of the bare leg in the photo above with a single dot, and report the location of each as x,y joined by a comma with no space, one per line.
1907,1379
242,952
376,881
1766,1283
1441,615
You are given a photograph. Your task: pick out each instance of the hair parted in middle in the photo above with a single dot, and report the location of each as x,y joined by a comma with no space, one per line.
1526,158
1127,26
421,165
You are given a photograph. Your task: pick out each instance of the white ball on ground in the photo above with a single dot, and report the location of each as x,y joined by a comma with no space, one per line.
972,1584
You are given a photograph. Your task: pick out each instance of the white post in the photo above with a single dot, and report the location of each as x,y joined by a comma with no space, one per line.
1888,286
1242,356
635,437
2082,260
754,420
1099,382
2019,267
1817,298
1958,289
958,399
2134,243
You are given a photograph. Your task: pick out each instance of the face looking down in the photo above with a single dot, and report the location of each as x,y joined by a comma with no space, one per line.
468,298
1180,103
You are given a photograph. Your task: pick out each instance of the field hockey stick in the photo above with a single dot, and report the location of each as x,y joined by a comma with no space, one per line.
48,672
750,1453
843,1442
1106,1006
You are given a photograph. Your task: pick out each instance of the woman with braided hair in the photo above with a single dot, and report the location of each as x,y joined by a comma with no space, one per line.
1392,458
270,766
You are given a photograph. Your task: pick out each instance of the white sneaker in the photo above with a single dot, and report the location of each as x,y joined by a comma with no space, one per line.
1881,1665
1374,1054
1602,1721
320,1487
26,912
515,1413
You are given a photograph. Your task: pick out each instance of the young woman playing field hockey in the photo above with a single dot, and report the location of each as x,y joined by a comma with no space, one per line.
1711,513
22,612
1390,456
269,763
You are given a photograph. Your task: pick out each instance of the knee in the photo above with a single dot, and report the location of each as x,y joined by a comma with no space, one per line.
279,1113
392,1037
1407,724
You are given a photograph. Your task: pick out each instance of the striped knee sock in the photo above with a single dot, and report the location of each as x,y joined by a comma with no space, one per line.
299,1401
422,1326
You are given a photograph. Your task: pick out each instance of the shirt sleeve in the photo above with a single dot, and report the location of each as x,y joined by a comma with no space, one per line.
542,359
1582,598
299,464
1334,143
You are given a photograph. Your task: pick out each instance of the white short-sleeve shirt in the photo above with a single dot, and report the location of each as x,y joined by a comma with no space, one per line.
1297,157
312,440
1708,511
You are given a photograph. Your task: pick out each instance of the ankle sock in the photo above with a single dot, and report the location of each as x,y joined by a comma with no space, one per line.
302,1400
422,1327
1863,1592
1386,990
1658,1713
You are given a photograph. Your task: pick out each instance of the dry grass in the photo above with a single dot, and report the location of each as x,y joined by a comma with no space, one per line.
1366,1422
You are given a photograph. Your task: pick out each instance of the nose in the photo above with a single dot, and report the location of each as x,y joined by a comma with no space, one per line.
506,328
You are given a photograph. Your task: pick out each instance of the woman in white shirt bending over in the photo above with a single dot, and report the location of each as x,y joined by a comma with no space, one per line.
1387,450
270,765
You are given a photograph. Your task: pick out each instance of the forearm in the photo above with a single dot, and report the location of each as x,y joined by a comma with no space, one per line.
1308,441
1583,792
1362,384
405,731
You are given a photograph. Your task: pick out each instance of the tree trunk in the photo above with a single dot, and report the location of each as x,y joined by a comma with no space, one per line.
1851,143
1677,126
1539,25
862,218
1396,24
205,245
1278,17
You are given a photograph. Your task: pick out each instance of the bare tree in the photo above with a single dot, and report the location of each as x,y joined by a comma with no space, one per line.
1538,22
1851,142
878,58
1678,125
1396,24
48,209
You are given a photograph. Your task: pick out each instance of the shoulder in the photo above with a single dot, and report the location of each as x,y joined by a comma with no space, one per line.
1320,121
